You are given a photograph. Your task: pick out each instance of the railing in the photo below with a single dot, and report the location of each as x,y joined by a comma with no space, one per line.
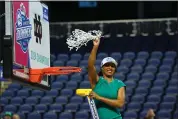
118,28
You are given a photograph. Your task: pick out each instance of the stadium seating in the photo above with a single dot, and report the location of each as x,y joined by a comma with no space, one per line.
150,77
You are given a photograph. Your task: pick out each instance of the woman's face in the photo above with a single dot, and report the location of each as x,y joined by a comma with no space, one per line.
109,69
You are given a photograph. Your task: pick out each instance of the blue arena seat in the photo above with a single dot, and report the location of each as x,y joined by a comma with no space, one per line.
41,108
174,82
76,56
34,115
134,106
50,115
144,83
151,69
85,106
154,61
14,87
172,90
142,91
56,108
170,54
16,101
71,85
10,108
169,98
169,106
71,107
123,69
143,113
85,84
21,115
65,115
165,68
157,91
130,84
57,85
129,55
8,94
66,92
63,57
37,93
76,99
156,54
26,108
163,76
153,98
32,100
86,56
4,101
46,100
119,76
174,75
168,61
73,63
141,62
116,55
150,105
130,115
148,76
83,63
137,69
101,55
138,98
98,62
58,63
62,78
142,55
76,77
61,100
164,114
52,93
160,83
126,62
81,115
23,93
133,76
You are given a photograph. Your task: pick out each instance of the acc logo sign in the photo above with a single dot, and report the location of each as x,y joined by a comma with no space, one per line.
23,28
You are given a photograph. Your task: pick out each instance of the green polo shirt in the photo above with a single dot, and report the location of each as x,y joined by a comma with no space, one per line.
108,90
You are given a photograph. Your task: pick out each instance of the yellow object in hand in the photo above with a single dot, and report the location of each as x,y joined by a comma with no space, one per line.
83,92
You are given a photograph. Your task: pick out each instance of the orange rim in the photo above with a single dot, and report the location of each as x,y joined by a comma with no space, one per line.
36,75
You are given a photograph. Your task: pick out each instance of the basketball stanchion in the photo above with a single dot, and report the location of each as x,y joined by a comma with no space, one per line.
91,102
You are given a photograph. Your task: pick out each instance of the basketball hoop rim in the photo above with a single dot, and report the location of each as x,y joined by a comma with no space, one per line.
36,75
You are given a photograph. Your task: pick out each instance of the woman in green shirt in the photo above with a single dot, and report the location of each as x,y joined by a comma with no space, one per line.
108,92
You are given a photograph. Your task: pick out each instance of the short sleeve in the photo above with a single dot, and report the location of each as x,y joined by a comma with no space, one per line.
121,84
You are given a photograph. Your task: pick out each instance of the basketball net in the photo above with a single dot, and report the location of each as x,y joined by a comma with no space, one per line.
79,38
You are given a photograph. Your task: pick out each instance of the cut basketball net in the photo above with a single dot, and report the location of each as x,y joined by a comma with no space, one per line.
79,38
36,75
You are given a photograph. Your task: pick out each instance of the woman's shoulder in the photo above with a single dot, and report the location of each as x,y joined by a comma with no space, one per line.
119,82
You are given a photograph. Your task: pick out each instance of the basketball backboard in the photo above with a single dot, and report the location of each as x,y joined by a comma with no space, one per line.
30,41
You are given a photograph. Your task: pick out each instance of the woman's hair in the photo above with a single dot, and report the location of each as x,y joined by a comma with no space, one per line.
100,73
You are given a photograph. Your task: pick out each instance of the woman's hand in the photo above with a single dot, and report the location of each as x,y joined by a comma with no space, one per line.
96,42
94,95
